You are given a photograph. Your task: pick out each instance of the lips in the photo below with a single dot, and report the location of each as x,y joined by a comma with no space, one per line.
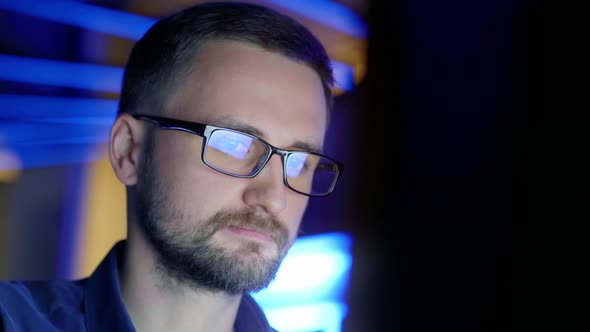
251,224
251,232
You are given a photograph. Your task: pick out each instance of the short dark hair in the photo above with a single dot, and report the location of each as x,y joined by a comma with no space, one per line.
164,56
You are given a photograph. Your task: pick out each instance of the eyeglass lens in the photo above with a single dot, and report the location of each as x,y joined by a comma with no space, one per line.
239,154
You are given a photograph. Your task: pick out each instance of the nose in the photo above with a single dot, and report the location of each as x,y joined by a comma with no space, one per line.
267,190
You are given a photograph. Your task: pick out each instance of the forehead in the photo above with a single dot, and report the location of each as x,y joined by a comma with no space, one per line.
235,82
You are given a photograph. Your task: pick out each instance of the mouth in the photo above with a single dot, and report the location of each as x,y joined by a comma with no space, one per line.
251,233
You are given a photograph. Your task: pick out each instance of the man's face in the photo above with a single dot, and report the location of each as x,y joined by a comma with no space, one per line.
209,229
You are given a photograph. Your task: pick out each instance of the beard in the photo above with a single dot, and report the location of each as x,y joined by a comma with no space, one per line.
189,257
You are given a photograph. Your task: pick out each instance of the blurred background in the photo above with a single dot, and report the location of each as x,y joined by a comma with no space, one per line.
444,218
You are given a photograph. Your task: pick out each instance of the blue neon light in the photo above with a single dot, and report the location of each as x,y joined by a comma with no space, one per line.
82,15
343,75
58,109
61,73
322,316
328,256
35,156
298,300
133,26
329,13
17,133
45,131
100,77
126,25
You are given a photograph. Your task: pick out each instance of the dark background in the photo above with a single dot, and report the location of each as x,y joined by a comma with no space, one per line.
473,187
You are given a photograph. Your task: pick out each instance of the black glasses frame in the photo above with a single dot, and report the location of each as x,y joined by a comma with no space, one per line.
205,131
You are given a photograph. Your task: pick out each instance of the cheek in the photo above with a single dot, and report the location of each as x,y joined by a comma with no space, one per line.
296,205
185,180
293,217
197,191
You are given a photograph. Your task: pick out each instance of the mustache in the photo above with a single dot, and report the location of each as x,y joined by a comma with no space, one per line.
250,219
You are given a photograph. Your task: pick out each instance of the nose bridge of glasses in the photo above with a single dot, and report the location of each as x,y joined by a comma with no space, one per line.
269,180
275,155
281,153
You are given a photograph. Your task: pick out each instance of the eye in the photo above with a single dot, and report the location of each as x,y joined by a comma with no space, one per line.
296,164
234,144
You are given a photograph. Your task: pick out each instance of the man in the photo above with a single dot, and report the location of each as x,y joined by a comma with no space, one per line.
222,119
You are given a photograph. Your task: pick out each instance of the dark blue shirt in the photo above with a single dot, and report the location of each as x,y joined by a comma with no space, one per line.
91,304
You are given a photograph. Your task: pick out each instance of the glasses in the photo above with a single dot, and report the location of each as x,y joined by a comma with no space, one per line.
242,155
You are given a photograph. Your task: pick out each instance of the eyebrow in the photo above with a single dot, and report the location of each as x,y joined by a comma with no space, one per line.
306,147
249,129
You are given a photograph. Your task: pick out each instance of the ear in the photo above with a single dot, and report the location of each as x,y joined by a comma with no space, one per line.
126,139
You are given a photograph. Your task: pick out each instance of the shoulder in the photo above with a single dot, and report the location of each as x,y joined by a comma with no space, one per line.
39,305
41,295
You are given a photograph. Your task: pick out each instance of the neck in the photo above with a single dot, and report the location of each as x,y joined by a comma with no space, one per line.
157,303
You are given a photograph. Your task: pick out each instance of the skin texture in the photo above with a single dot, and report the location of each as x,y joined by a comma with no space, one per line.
239,86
